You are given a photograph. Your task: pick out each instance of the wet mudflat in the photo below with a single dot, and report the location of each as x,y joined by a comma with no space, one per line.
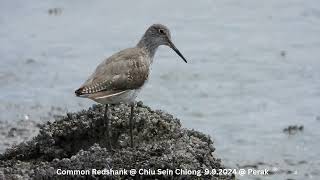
253,71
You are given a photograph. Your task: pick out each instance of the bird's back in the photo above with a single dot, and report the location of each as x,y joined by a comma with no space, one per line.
124,70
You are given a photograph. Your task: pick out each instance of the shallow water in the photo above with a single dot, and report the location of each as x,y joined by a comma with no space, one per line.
253,70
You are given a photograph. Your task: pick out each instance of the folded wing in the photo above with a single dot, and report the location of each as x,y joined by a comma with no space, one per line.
125,70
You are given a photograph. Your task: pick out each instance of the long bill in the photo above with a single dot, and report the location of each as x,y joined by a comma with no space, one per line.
176,50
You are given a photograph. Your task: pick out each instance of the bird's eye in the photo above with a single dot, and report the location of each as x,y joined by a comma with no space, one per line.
161,31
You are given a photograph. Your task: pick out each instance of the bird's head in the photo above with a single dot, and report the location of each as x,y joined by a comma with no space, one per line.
157,35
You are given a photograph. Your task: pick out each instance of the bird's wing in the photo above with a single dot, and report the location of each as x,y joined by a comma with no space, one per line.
127,69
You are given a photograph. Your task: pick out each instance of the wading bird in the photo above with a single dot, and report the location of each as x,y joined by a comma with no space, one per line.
119,78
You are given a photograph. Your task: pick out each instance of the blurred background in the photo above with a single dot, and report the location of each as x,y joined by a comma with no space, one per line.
252,82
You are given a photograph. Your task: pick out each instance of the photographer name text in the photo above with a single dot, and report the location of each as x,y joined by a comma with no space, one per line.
166,172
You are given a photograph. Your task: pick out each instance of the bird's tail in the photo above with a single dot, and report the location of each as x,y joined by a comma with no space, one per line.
79,92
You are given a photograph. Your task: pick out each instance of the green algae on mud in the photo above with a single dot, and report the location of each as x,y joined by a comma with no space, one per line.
77,142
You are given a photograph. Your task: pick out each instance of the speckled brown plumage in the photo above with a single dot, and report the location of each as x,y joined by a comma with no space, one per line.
127,69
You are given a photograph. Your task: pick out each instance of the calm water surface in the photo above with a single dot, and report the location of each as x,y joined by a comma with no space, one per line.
253,70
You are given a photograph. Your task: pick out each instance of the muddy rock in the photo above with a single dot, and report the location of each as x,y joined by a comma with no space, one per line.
77,141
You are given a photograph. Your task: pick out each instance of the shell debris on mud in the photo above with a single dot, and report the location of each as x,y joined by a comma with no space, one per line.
76,141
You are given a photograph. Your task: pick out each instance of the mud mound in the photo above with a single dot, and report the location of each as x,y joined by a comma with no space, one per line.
77,141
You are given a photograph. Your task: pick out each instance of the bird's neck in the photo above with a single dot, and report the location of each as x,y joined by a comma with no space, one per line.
149,45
